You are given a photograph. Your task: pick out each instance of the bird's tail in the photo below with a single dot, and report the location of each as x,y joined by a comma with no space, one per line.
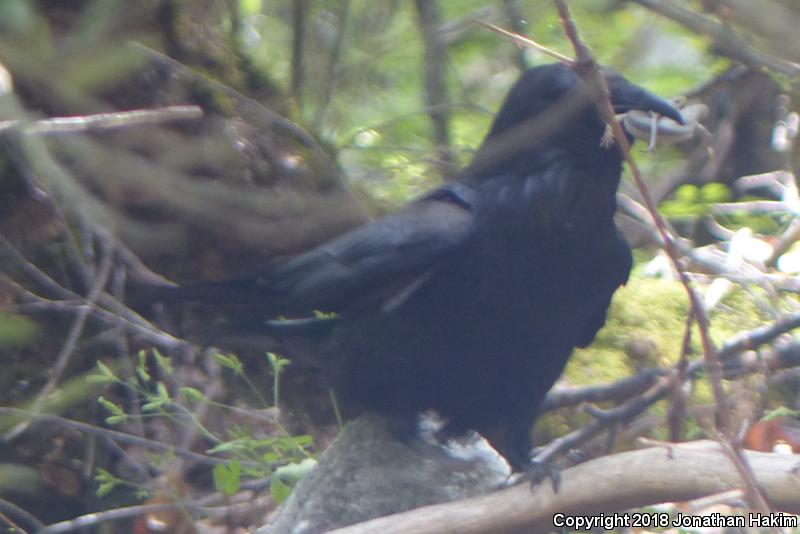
239,291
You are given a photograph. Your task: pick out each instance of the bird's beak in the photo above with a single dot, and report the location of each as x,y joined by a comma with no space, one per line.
631,97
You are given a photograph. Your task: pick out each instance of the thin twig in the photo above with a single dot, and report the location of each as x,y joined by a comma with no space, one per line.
203,506
759,336
513,13
9,508
677,409
10,524
31,270
620,390
117,514
624,412
525,41
755,494
117,436
726,42
436,94
299,24
133,323
102,121
112,310
784,356
255,112
328,86
71,340
588,69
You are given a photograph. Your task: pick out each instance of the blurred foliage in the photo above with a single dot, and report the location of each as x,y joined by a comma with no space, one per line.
364,101
645,329
251,452
16,330
376,117
653,312
691,200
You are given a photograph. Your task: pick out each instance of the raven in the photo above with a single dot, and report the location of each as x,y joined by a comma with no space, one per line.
470,300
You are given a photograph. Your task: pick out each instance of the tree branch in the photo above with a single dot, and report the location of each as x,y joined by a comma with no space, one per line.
605,485
726,42
437,99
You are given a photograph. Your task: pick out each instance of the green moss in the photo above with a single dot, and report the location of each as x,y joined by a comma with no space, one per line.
645,328
648,312
653,312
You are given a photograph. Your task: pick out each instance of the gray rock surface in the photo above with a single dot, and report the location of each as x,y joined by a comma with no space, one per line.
368,472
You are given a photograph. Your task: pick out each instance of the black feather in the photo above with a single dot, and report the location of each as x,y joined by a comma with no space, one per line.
470,300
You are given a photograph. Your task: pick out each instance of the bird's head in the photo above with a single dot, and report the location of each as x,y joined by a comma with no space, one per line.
626,96
549,111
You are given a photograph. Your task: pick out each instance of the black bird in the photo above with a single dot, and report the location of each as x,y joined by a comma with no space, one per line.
470,300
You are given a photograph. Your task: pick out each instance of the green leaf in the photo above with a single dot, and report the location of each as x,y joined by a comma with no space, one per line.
163,362
276,362
270,457
280,491
104,375
162,391
251,7
229,361
715,192
115,419
107,482
783,411
110,406
227,478
288,443
106,372
99,379
226,447
292,473
141,369
303,440
192,393
143,493
153,405
104,489
160,399
687,193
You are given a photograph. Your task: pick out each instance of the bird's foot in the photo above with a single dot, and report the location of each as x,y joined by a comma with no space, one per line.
538,471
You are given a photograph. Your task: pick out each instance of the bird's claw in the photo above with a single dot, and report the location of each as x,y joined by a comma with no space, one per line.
539,471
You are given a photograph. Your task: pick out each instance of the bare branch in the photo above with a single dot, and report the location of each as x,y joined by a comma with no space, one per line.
103,121
525,41
71,340
8,508
726,42
609,484
759,336
587,67
328,86
562,396
149,444
437,99
299,24
738,458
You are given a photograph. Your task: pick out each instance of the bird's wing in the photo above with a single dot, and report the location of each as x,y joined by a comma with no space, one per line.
398,248
614,272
